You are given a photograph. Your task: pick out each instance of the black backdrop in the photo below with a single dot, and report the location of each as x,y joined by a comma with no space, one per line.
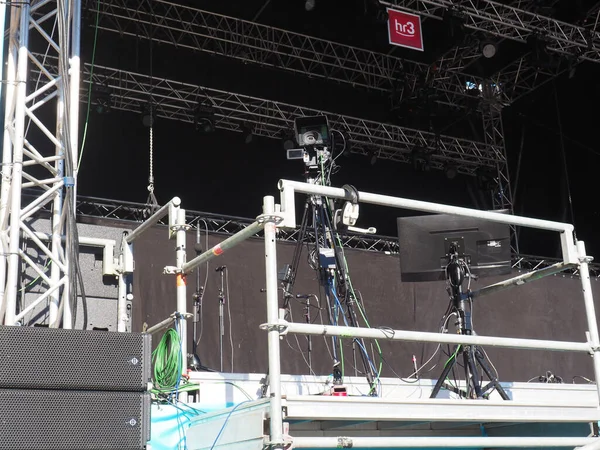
551,308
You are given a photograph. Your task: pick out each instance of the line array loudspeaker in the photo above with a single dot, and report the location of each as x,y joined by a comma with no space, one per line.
51,358
73,420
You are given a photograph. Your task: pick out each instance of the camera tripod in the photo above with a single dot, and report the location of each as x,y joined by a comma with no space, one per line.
326,258
473,357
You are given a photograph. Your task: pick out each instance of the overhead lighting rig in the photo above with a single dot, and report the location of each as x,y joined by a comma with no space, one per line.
204,119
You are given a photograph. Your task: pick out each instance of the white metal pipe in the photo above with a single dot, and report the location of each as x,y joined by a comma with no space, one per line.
41,298
122,304
417,205
289,188
423,336
592,446
17,169
46,36
89,241
228,243
46,197
160,325
35,267
5,186
590,311
107,245
40,4
180,256
57,224
40,183
42,247
49,15
437,442
44,162
37,94
2,39
74,85
43,128
67,307
272,288
152,220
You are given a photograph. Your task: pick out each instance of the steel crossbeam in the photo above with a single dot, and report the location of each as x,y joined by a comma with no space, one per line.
40,149
176,100
199,30
514,23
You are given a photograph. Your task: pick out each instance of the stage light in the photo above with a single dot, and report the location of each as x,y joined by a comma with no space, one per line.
421,159
204,119
451,171
148,114
486,178
248,133
488,49
309,5
102,98
373,157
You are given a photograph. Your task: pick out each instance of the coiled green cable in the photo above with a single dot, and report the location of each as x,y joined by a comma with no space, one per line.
166,358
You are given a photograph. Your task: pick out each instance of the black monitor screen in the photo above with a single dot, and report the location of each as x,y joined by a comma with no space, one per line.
425,242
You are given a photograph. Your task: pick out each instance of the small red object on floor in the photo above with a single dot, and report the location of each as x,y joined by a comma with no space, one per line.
339,391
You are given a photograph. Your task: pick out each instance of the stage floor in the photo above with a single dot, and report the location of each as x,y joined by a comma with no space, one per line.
402,416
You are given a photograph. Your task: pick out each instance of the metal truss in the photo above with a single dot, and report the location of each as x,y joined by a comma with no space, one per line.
199,30
175,100
91,207
514,23
40,149
494,135
526,74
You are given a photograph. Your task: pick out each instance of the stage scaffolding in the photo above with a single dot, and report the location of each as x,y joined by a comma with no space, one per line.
43,74
281,412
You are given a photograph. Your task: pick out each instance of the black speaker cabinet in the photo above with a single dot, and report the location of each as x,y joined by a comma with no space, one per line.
50,358
73,420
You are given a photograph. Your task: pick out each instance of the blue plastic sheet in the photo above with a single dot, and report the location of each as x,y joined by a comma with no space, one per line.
169,423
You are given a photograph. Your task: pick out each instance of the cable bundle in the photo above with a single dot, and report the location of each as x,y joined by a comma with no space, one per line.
167,361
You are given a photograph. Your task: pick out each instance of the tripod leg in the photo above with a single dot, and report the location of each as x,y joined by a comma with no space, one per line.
442,379
472,376
494,382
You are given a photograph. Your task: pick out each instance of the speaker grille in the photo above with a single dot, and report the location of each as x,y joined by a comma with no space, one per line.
44,358
73,420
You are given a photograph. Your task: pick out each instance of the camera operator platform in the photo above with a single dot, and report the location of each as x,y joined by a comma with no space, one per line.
474,360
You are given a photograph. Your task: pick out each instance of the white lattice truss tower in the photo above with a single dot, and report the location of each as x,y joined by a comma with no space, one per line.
40,151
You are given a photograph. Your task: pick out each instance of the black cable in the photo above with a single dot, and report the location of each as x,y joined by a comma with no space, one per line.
564,157
518,171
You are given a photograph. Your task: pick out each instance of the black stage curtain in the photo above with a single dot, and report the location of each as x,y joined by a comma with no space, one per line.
551,308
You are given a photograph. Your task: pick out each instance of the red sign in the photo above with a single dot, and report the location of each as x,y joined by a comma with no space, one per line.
404,29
